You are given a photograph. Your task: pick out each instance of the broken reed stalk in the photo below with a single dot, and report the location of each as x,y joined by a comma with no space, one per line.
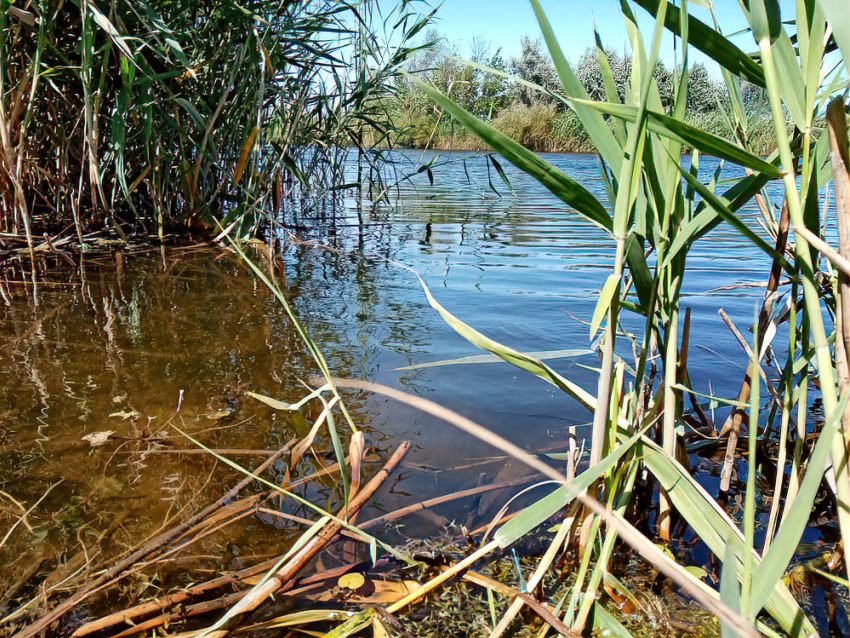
327,533
561,538
129,615
732,426
840,158
439,500
522,598
116,571
222,602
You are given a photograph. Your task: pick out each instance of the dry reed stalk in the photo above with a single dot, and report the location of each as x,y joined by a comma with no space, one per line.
732,426
700,592
117,570
523,598
327,533
840,158
671,409
561,538
130,614
439,500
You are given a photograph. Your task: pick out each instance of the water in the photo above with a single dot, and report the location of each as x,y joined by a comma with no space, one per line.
135,330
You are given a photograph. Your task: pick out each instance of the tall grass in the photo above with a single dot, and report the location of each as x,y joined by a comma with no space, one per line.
143,116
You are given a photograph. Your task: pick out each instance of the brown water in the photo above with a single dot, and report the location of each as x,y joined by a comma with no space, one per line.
116,347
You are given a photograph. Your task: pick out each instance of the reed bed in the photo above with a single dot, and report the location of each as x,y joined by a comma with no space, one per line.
139,118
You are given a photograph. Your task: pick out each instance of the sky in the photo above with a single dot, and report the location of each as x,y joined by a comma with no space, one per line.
504,22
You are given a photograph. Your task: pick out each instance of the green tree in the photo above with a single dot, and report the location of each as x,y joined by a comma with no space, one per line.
533,65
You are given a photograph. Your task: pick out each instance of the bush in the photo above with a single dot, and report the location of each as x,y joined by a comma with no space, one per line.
531,126
570,135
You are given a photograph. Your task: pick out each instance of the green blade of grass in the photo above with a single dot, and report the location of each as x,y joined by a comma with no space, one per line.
545,508
684,133
785,544
600,133
836,13
514,357
714,527
723,210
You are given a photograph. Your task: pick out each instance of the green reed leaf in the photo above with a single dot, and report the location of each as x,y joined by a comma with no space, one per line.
598,130
710,42
764,18
684,133
545,508
794,522
714,527
836,13
723,210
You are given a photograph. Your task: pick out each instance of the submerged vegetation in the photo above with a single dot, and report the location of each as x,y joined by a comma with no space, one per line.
186,118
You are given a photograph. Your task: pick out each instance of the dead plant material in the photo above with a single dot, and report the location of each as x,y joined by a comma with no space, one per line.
732,426
117,570
330,529
439,500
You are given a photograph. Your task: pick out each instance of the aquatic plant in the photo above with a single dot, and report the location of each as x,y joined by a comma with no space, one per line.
142,116
656,210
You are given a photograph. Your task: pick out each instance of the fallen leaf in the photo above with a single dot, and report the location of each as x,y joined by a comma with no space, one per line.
217,415
696,572
354,580
96,439
124,415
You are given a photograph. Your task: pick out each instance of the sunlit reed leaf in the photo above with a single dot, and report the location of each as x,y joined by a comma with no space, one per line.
603,139
723,210
784,545
710,42
716,530
836,13
692,136
543,355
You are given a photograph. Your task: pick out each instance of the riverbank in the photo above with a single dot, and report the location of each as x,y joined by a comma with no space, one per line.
542,129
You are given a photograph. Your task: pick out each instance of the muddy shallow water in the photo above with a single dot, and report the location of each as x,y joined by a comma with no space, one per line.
116,347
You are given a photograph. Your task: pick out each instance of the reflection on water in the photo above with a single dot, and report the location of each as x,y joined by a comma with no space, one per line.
117,348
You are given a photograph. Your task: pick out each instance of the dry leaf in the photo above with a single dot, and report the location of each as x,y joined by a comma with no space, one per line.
354,580
132,414
96,439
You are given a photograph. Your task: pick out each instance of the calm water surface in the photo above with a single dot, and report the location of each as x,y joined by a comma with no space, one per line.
114,349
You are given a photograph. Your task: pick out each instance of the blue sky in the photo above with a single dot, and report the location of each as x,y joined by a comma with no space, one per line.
504,22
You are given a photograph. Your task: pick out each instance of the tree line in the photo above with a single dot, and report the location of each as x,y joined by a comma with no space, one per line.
535,117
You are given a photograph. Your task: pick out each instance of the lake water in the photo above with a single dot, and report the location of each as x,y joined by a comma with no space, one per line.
112,348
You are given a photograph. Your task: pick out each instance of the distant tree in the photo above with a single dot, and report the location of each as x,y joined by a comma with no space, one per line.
533,65
493,90
589,73
703,92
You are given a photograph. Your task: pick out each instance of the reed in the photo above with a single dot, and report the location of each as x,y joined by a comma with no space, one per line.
143,117
657,209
